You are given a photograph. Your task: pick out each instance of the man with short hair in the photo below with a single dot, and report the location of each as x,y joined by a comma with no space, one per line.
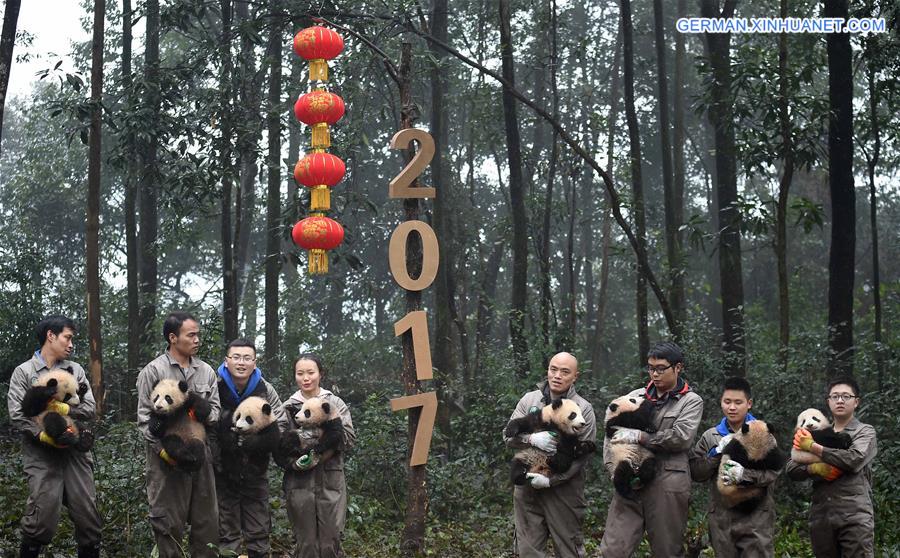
661,507
177,497
841,514
242,484
735,533
56,475
553,505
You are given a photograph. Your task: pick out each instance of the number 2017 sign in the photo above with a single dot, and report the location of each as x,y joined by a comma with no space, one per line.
415,322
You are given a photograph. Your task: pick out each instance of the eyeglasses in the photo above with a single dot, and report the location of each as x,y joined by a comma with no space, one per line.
242,358
841,397
658,369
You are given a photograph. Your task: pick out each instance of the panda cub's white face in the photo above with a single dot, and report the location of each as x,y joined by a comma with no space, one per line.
66,386
168,395
812,419
252,415
314,412
566,415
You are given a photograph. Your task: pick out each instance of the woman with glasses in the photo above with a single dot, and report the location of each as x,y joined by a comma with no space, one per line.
242,484
841,515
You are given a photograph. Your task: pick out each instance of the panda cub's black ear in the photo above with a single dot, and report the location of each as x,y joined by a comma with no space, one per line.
183,386
745,428
556,404
267,409
771,428
52,382
326,407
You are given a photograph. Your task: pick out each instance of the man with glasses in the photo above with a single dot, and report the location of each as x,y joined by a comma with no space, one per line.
552,506
661,507
841,515
176,497
242,484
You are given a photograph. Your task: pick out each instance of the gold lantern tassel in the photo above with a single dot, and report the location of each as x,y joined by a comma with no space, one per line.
320,198
318,262
321,137
318,70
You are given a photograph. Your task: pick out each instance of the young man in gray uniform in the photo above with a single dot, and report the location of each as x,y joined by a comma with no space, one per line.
841,516
660,508
552,506
734,533
56,474
242,483
177,497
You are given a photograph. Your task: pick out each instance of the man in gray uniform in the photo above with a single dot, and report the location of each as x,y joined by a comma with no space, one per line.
242,483
660,508
177,497
56,475
552,506
735,533
841,516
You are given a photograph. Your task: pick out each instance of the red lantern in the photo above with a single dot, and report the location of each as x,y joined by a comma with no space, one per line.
318,109
320,171
318,44
318,234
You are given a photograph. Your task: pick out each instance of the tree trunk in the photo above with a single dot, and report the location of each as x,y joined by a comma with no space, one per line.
671,201
519,301
720,117
7,42
678,139
229,296
149,191
842,256
92,229
130,208
787,148
872,164
615,84
637,184
413,539
273,197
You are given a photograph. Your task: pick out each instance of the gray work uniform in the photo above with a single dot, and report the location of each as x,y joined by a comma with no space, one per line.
841,515
55,476
556,511
733,533
660,508
317,499
176,497
242,483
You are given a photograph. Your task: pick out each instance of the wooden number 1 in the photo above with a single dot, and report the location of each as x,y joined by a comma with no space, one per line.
399,186
422,443
417,323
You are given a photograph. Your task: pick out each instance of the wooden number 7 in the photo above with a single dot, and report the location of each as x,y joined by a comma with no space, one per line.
417,324
425,428
399,186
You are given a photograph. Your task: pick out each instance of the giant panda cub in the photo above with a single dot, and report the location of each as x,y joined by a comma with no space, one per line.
177,419
57,385
823,434
562,416
632,466
754,447
254,423
320,429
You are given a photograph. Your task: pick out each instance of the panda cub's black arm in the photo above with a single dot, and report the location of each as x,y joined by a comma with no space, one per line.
264,442
524,425
201,407
36,400
332,436
157,425
831,439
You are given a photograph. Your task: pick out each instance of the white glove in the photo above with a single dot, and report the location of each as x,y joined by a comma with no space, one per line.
722,443
734,472
627,436
537,480
544,441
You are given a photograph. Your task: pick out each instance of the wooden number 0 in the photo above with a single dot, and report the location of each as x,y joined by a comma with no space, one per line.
399,186
422,443
397,255
417,323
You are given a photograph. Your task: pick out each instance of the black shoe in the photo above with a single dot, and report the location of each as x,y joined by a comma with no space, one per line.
30,549
89,551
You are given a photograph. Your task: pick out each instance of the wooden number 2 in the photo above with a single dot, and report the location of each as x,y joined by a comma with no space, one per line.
422,443
399,186
397,255
417,323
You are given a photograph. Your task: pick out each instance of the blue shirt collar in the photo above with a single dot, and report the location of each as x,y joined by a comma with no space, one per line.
723,429
255,378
